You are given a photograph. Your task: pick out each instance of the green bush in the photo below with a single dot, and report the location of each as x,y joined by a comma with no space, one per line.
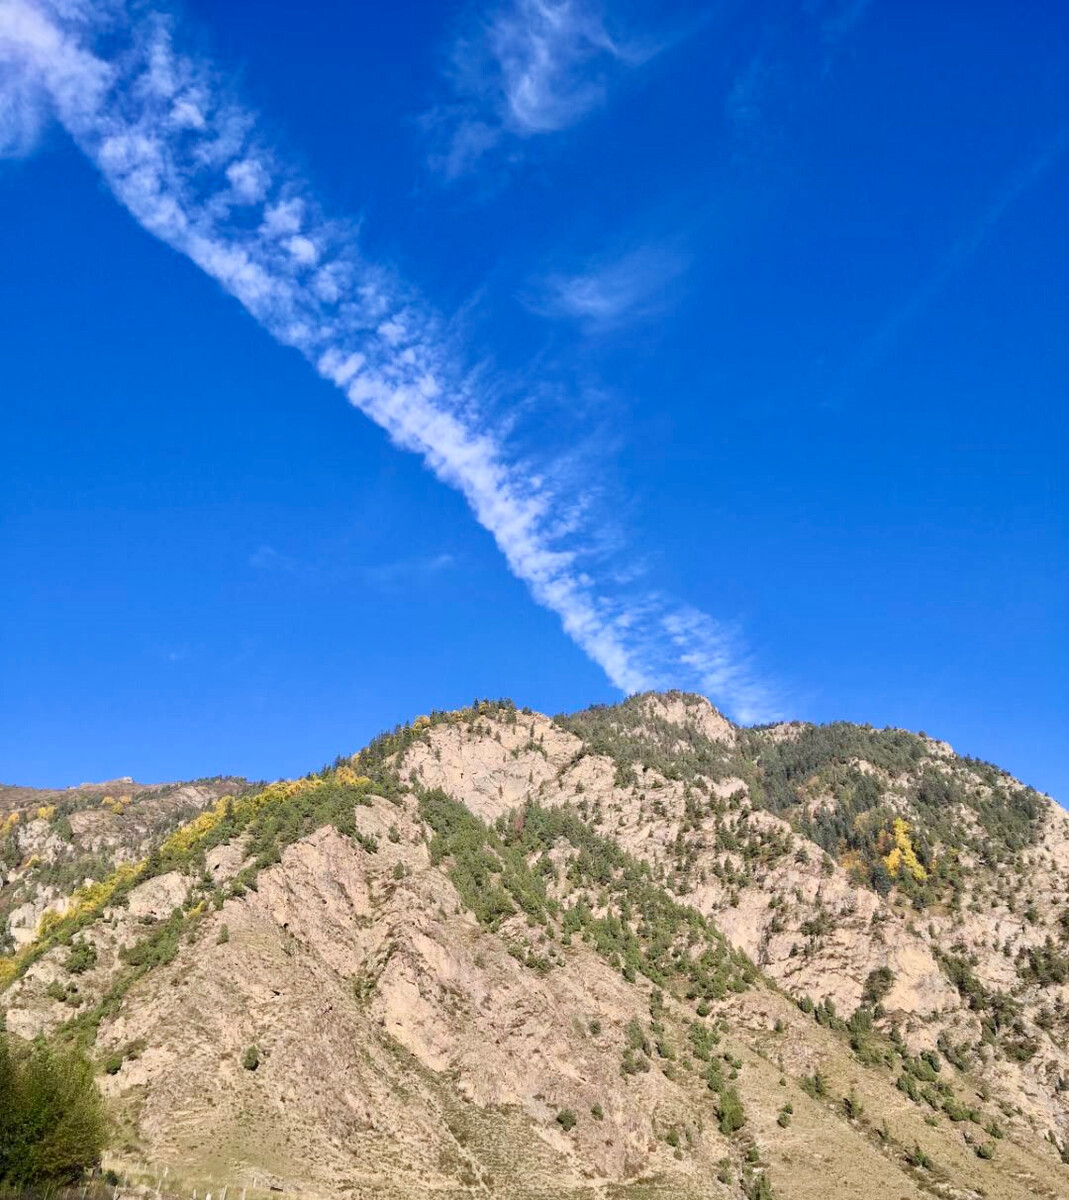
81,958
730,1111
814,1085
52,1122
918,1157
877,984
250,1060
566,1119
757,1187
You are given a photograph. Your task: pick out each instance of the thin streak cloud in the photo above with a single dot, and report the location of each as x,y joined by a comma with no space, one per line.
407,571
186,161
969,243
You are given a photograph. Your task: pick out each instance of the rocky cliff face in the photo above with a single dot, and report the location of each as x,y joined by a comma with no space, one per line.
633,952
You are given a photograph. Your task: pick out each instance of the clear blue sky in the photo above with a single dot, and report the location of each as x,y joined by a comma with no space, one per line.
766,305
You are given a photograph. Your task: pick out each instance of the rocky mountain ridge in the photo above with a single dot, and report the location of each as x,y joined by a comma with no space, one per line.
637,951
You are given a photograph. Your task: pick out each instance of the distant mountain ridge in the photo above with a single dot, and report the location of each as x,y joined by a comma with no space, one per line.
633,951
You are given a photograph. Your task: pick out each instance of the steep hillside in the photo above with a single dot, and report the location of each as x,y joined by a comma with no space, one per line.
53,841
632,952
851,864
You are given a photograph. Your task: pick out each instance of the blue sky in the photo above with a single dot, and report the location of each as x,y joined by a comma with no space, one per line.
715,346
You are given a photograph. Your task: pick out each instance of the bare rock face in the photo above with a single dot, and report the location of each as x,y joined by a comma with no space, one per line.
690,712
24,920
157,898
635,952
496,772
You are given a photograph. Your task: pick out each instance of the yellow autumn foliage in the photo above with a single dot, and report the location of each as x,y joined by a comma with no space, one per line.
346,776
8,824
49,920
185,838
91,899
850,861
903,854
46,812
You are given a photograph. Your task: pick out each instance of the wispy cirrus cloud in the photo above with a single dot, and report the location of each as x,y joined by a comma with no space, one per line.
614,291
187,162
23,111
767,85
973,237
405,571
267,558
526,68
839,18
747,99
401,572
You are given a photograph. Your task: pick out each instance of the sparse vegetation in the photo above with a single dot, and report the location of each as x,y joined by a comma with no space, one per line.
502,870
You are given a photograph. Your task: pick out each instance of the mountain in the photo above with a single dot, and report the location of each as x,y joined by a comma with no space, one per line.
637,951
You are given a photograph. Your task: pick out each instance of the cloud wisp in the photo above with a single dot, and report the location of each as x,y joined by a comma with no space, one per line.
531,67
407,571
615,291
267,558
839,18
23,111
186,160
972,239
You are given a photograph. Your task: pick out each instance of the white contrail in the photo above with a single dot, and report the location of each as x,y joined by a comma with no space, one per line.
880,344
186,161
